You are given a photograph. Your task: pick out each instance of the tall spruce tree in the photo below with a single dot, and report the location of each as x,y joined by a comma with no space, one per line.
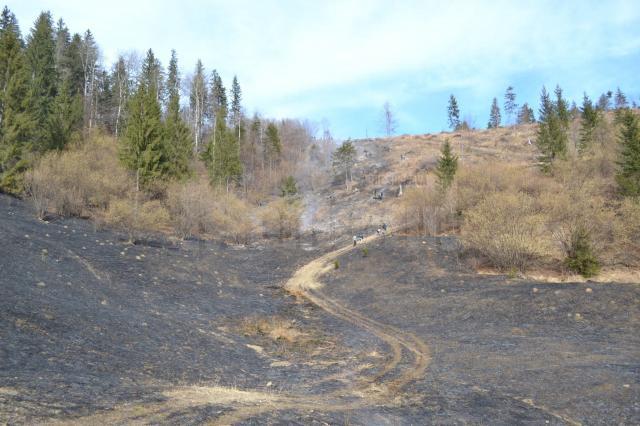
236,106
628,176
446,167
66,116
453,113
176,132
552,132
562,108
44,78
510,105
494,115
218,97
17,124
63,38
590,117
143,149
223,157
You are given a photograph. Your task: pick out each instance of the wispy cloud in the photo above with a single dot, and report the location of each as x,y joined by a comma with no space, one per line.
310,58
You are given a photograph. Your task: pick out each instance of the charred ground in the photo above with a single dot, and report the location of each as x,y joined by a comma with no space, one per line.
94,326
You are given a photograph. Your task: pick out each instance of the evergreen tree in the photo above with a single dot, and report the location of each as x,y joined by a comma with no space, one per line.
510,105
620,100
552,132
223,156
562,109
604,102
218,97
63,39
273,145
65,118
72,67
447,166
628,176
143,149
590,118
453,113
177,133
343,160
9,22
525,115
236,106
151,75
17,125
44,78
494,116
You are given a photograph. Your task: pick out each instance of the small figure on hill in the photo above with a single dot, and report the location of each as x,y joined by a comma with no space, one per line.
355,239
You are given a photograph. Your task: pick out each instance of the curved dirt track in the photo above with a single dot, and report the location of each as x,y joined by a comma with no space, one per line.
379,388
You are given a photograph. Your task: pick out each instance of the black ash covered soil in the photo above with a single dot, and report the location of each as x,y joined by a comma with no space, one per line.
89,321
504,351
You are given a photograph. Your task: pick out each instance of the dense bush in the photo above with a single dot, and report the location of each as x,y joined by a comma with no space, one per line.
282,218
508,229
85,177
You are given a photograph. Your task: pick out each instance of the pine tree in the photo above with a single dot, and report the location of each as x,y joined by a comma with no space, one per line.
562,109
72,67
343,160
494,116
273,145
17,125
552,133
590,118
143,149
236,106
453,113
447,166
63,39
628,176
222,157
620,100
525,115
44,77
218,97
151,75
604,101
65,118
510,105
176,133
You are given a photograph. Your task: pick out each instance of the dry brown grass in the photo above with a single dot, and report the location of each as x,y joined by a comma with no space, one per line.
233,218
191,205
135,218
275,328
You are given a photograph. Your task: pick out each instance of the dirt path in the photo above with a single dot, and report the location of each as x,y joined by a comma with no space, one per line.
408,361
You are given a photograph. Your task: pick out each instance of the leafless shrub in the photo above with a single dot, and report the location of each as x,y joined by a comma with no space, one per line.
190,206
282,217
508,230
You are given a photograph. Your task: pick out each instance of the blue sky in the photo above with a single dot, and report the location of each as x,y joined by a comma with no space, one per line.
339,61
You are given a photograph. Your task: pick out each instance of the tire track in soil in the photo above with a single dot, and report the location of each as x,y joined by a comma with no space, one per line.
380,388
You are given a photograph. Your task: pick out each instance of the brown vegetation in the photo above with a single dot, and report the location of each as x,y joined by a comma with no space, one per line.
517,218
87,180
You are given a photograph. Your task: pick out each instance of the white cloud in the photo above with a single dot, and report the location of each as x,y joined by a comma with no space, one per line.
311,56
